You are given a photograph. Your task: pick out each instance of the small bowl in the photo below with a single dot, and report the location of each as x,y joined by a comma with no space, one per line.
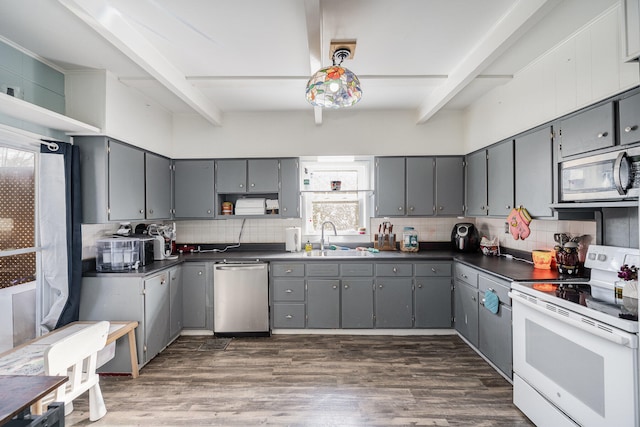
489,250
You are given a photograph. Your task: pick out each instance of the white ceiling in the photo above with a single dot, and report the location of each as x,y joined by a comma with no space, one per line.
215,56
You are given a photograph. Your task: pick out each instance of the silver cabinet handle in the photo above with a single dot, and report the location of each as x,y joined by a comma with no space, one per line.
288,271
411,208
399,208
284,209
433,269
465,276
420,285
150,211
252,184
380,286
395,270
199,273
346,286
335,286
241,185
289,291
208,211
507,206
482,302
603,134
141,211
482,208
288,316
630,128
441,207
473,298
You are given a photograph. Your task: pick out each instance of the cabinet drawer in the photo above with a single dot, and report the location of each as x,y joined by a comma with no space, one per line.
356,269
322,269
288,316
435,269
394,270
284,270
501,288
288,290
466,274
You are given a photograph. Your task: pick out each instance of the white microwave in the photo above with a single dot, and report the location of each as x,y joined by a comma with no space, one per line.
609,176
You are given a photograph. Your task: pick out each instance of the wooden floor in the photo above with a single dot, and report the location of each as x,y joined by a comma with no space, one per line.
310,380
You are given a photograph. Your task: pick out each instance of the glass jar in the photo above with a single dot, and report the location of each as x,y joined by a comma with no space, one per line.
409,242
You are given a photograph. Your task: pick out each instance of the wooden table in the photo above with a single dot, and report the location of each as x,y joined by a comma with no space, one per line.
18,392
28,358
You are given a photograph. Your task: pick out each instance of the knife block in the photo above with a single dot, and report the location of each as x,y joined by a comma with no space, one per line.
388,242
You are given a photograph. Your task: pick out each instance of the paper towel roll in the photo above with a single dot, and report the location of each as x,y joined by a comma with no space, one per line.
292,239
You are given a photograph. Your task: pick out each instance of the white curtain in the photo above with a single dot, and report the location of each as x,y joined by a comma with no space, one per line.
53,239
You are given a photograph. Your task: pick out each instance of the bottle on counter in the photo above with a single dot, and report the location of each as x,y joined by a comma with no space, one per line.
308,247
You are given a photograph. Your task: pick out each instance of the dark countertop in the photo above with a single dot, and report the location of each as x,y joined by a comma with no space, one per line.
507,269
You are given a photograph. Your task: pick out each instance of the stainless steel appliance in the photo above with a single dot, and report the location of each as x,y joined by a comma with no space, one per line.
609,176
241,299
465,238
575,348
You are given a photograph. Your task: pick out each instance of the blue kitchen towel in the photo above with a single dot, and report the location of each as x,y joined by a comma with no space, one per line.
491,301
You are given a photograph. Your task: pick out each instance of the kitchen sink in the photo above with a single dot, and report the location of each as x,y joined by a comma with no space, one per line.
337,253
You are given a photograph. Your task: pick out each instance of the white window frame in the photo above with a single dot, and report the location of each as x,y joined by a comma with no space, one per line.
364,166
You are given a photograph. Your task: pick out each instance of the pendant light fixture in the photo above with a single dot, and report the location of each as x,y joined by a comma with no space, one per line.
335,86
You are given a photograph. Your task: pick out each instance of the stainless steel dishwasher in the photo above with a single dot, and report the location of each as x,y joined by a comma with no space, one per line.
241,299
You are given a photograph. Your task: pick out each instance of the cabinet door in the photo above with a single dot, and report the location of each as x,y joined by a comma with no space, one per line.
323,303
477,183
175,302
194,295
158,186
631,35
629,119
357,303
126,182
156,314
390,186
534,172
231,176
589,130
420,188
432,302
495,337
393,303
193,189
450,185
466,310
500,178
289,188
263,175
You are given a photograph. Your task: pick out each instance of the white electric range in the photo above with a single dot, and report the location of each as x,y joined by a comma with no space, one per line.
575,347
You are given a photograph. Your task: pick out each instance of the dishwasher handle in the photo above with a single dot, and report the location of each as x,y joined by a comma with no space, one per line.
241,267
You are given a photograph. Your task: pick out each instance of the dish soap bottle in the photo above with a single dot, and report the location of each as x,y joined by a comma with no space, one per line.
308,247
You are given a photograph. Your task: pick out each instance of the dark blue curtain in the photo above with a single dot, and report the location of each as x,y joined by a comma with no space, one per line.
73,219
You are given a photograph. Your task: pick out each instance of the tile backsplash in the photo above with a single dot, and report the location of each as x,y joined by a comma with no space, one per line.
266,230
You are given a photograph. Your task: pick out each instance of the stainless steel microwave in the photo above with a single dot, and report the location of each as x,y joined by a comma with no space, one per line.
609,176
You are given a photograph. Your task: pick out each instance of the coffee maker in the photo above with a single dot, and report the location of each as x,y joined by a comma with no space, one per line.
465,237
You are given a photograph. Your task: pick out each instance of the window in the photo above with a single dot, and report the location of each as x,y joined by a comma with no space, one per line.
347,207
17,216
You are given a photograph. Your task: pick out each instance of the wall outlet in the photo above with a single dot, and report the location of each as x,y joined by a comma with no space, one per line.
506,227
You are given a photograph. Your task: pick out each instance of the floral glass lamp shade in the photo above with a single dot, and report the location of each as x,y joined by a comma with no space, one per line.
334,86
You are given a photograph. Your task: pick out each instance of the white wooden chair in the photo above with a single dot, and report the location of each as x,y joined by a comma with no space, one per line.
75,356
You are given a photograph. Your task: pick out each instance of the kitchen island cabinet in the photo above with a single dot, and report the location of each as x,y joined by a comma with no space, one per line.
193,189
146,300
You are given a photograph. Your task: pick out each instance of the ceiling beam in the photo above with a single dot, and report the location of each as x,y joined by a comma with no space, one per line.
114,27
313,14
519,19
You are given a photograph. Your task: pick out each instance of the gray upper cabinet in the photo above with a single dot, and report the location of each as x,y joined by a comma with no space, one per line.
158,186
631,29
231,176
534,167
390,186
113,181
587,130
449,186
476,179
500,178
247,176
629,119
420,189
193,189
289,188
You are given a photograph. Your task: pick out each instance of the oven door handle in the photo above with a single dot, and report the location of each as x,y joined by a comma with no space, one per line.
613,337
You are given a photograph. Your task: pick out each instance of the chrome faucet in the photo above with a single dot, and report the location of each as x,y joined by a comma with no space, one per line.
335,233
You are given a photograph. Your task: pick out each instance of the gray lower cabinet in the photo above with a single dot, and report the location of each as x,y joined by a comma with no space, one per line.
195,296
393,302
500,178
433,302
489,333
323,303
534,167
146,300
193,189
176,308
629,117
357,303
476,183
587,130
287,295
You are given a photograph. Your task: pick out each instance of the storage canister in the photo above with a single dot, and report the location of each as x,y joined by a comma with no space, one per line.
409,241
